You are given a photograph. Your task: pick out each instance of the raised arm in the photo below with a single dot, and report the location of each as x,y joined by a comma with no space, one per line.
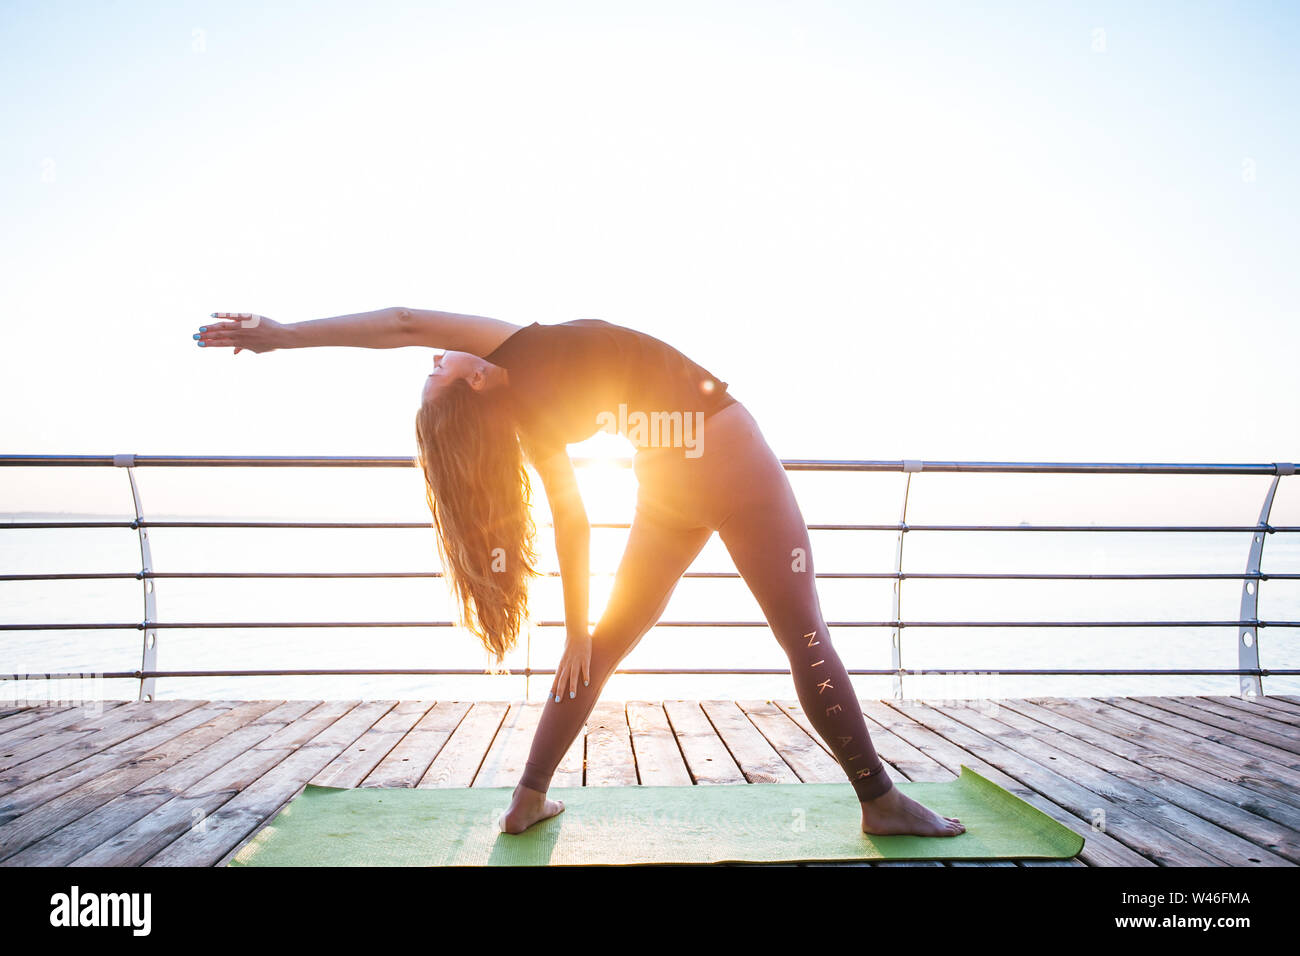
391,328
475,334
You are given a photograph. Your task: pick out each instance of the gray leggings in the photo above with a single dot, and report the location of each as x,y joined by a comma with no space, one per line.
738,488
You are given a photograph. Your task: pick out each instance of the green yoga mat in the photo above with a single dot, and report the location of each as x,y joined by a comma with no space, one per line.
747,823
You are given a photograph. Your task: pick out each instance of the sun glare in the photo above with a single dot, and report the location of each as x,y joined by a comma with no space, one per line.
608,488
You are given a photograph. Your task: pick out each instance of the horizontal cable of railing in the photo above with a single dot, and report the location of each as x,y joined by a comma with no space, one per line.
394,525
813,464
890,575
651,671
151,625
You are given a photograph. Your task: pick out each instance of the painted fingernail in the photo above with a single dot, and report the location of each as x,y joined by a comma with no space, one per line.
584,683
196,335
212,315
203,328
572,695
200,344
557,698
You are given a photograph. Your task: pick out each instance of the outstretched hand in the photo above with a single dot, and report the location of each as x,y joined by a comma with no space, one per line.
575,665
243,330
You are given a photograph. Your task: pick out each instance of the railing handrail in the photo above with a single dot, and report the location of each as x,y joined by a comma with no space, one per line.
656,671
790,464
424,525
1249,670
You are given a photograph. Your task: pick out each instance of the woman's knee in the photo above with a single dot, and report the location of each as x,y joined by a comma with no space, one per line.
617,640
789,610
804,644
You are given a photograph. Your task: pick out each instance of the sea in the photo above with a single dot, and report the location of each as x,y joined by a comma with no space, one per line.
1165,619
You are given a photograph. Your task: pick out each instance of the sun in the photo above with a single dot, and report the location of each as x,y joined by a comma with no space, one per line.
608,487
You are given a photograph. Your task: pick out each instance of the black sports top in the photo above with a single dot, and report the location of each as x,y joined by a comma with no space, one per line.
571,380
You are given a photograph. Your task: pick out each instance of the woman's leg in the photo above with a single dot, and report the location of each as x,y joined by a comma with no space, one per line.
656,556
768,540
767,537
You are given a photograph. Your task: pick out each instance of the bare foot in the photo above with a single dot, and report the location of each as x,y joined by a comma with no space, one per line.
892,814
526,808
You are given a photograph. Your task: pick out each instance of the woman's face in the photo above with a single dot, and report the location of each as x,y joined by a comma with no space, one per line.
451,365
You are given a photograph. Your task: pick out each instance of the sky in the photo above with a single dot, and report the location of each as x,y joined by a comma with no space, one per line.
939,231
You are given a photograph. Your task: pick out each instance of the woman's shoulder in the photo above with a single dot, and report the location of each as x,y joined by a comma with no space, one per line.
512,342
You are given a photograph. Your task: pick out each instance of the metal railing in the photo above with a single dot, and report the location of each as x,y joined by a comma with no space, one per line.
1249,671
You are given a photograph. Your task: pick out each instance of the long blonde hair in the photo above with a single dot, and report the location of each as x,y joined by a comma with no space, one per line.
480,497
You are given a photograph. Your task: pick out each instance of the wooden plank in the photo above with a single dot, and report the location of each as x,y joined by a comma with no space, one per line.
459,759
914,765
10,725
20,725
983,862
1168,831
904,863
1075,861
806,756
1235,710
504,763
707,758
659,760
1277,706
902,760
1181,753
1217,826
757,759
610,759
96,828
190,809
122,723
1234,724
54,731
874,863
1167,756
239,818
350,767
407,762
573,767
139,753
871,863
1268,767
1245,770
47,719
62,826
1260,706
1040,787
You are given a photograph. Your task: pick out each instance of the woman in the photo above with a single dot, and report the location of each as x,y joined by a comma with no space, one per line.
501,395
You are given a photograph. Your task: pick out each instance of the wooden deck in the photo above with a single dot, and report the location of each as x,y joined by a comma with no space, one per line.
1150,781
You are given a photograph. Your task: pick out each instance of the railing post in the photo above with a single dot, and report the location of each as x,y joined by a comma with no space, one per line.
149,650
896,642
1248,636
